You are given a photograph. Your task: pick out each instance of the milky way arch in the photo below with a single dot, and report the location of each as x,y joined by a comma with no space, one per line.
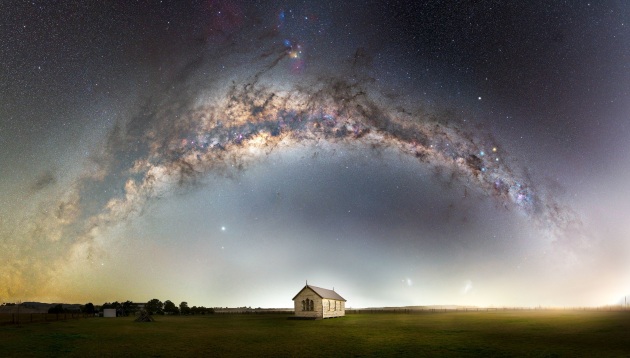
197,127
183,142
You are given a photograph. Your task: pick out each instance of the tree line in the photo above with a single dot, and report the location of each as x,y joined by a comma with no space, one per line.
156,306
153,306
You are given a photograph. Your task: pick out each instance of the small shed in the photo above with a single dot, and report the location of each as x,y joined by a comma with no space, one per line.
109,312
318,303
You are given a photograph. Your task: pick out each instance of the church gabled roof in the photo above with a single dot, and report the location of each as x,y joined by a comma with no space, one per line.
322,292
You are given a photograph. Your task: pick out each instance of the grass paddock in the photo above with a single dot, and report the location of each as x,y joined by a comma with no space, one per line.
502,333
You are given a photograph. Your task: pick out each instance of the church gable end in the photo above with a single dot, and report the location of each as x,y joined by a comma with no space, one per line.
317,303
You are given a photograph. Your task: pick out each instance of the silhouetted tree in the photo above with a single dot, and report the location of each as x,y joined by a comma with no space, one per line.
183,308
56,309
169,307
154,306
201,310
89,308
129,307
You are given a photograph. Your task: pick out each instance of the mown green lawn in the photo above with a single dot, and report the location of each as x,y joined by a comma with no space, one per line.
457,334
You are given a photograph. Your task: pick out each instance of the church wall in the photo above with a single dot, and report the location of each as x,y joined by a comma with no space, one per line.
317,304
333,308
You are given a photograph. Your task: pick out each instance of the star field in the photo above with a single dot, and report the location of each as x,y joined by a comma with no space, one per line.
411,153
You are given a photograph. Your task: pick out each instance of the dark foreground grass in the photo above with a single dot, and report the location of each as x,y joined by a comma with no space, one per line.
458,334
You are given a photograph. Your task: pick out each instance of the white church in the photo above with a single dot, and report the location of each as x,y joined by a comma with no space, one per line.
318,303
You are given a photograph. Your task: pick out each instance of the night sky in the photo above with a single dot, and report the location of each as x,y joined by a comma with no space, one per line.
405,153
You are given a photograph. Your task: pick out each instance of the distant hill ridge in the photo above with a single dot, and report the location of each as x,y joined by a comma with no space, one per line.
36,307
